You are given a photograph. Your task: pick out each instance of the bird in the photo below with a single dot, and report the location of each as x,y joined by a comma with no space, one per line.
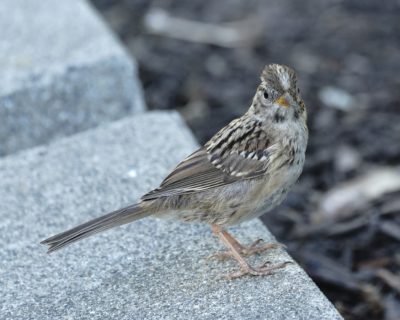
245,170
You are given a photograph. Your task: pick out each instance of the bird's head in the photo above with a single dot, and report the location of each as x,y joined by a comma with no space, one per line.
278,95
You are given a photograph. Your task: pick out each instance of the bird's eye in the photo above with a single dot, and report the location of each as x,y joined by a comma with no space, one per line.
266,95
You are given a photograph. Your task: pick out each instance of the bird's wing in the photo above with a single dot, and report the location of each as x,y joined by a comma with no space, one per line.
235,153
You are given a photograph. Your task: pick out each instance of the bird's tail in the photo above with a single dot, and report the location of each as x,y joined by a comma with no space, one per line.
108,221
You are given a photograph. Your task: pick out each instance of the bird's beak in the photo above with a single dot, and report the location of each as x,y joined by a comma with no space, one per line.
283,101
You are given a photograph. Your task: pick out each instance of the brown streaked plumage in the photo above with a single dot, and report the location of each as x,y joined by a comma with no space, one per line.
246,169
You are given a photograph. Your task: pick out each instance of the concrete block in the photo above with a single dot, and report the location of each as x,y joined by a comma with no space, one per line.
62,71
150,269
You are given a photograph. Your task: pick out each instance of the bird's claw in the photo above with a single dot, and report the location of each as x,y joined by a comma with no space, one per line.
264,270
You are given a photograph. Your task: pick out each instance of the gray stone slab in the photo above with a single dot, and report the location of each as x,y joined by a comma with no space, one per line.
62,71
150,269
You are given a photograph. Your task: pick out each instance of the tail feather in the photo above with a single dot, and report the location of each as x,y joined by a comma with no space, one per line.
108,221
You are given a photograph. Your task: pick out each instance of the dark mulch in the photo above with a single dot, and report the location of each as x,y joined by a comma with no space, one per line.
352,253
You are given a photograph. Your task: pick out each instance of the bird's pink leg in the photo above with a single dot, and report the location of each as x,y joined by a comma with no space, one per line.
235,251
246,251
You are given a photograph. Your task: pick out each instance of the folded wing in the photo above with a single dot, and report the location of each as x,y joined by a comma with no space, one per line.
235,153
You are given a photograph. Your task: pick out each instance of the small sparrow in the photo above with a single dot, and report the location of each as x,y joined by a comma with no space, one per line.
243,171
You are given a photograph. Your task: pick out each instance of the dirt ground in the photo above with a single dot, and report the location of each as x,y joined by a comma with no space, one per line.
342,220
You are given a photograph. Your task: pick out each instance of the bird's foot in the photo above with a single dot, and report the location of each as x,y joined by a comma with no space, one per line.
256,247
264,270
238,252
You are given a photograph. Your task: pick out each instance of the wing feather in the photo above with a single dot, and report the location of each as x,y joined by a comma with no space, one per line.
195,173
216,164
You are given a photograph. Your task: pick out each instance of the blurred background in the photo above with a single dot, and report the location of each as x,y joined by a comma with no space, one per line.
203,58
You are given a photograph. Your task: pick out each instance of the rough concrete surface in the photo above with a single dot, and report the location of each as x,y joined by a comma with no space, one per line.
150,269
62,71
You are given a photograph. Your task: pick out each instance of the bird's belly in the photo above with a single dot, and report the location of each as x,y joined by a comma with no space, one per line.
237,202
271,193
261,204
